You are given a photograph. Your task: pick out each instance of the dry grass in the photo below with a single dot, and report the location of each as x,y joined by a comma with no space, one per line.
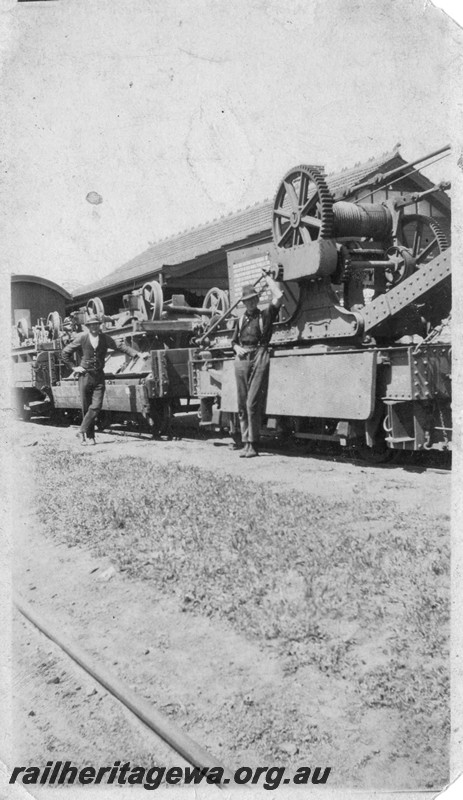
358,591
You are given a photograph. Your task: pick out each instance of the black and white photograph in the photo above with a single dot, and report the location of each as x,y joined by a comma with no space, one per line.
230,554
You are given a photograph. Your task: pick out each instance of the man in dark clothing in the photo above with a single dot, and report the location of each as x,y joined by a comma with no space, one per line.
250,343
92,347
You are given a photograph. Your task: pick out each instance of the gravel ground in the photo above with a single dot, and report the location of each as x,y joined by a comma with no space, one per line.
285,610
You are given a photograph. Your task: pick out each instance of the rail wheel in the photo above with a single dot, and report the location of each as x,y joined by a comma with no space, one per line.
380,453
128,322
303,208
102,421
217,301
54,325
161,419
152,300
95,307
23,410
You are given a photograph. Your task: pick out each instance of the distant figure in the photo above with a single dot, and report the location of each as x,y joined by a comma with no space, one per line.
250,343
92,347
22,329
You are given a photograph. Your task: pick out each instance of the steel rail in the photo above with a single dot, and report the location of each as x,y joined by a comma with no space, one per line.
157,722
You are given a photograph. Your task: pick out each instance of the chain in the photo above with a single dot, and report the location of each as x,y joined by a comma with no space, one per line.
435,333
444,429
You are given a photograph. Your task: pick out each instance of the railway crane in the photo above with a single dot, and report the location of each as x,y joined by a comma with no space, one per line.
361,352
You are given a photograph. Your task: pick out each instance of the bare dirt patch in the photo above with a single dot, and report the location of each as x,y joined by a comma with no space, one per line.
282,610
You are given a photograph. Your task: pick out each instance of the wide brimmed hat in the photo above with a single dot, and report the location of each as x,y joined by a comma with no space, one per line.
248,291
91,320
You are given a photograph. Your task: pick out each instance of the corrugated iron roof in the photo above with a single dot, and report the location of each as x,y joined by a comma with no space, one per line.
225,231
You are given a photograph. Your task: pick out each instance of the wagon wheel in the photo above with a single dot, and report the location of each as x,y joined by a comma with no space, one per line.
54,325
152,300
95,307
161,418
303,208
40,370
167,420
217,301
422,236
380,453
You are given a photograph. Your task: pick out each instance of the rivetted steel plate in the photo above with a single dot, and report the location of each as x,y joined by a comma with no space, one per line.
338,385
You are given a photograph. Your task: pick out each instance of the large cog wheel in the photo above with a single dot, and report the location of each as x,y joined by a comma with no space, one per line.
422,236
303,208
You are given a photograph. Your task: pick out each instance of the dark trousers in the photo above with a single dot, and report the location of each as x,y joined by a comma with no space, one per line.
92,388
234,427
251,382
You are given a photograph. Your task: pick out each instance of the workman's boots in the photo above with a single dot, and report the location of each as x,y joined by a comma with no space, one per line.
83,439
250,450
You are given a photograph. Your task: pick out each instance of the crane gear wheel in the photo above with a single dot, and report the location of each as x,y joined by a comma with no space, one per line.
303,208
152,300
422,236
95,308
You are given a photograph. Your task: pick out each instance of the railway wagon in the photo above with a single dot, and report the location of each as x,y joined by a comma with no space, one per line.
361,352
34,328
151,387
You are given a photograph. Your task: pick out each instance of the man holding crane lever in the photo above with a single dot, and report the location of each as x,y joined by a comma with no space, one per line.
250,341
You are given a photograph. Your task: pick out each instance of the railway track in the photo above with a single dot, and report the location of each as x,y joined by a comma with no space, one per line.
179,741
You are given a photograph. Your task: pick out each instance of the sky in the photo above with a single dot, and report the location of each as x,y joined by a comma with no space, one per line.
174,114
